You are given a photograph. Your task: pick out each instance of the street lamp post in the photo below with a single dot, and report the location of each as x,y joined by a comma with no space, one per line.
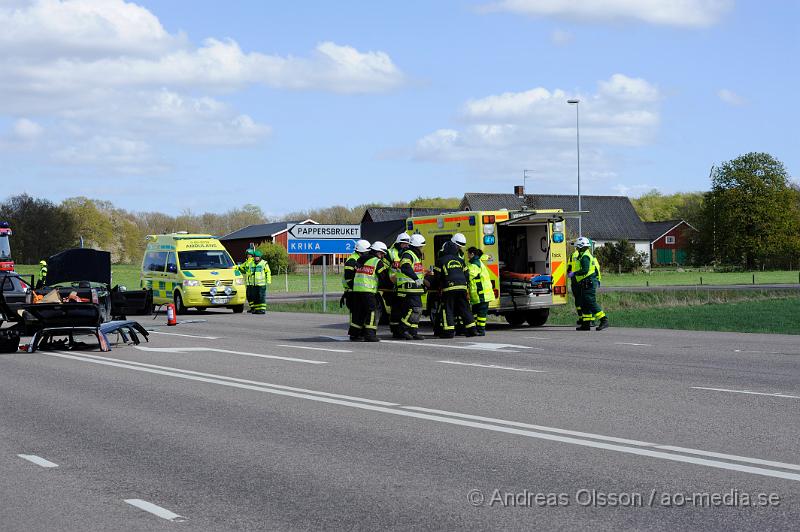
577,102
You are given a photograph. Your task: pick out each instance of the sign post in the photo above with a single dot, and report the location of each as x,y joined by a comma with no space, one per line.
321,239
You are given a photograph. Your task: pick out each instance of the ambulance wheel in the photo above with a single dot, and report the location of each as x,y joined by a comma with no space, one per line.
538,317
180,308
515,319
9,345
237,309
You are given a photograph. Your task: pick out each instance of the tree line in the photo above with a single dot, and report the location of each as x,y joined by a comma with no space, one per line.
42,228
750,219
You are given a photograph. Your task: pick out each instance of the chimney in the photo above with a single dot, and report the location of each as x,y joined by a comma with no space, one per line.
519,191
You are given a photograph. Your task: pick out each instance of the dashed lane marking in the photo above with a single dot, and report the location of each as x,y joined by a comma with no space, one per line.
38,460
186,335
631,343
154,509
748,392
314,348
490,366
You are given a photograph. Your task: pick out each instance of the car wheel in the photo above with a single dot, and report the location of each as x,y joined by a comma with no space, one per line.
237,309
538,317
515,319
180,308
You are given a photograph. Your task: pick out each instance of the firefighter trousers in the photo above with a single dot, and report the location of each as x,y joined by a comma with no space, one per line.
365,315
406,311
455,305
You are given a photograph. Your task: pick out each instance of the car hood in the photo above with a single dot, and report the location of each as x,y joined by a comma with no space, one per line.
79,264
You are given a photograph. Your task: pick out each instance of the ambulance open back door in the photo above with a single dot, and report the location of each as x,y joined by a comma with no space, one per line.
532,258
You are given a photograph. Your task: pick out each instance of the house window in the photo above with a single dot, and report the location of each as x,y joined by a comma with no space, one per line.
669,240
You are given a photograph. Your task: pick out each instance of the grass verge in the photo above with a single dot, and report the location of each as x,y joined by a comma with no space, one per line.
737,311
726,310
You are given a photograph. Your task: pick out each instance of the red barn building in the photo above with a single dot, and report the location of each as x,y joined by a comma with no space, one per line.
669,241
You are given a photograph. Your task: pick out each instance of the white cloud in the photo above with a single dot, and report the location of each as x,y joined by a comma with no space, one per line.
731,98
561,37
122,155
536,129
682,13
109,75
27,130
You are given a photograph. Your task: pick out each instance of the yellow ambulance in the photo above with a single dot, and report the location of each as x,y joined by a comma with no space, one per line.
525,252
191,270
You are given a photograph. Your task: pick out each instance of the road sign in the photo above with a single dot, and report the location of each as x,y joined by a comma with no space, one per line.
324,232
320,247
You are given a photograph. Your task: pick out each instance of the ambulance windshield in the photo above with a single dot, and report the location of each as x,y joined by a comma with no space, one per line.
209,259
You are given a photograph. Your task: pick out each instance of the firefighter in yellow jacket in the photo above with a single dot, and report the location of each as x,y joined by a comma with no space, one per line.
481,292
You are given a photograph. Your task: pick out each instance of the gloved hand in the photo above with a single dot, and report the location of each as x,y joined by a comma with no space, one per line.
342,300
419,281
571,275
598,283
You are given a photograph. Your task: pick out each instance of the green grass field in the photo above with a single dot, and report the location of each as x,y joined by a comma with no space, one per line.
128,275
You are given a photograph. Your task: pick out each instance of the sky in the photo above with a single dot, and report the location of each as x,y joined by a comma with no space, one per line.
203,105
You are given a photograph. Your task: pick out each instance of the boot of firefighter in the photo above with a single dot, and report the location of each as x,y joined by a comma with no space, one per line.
603,324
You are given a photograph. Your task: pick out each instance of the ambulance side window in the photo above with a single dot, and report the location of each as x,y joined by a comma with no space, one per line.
154,261
172,263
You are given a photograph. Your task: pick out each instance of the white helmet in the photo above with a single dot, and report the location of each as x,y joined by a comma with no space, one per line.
459,239
362,246
417,240
379,246
582,242
402,237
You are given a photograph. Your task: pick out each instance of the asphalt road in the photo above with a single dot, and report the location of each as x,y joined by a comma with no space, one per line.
274,423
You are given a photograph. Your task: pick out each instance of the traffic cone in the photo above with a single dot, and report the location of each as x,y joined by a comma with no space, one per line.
171,317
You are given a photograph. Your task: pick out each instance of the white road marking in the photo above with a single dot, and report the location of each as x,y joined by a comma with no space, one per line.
337,338
163,513
748,392
538,338
631,343
465,420
472,346
132,365
186,335
602,437
38,460
314,348
197,349
490,366
763,352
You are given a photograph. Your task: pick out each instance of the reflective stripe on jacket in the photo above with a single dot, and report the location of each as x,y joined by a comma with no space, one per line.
262,275
366,279
480,283
587,266
406,283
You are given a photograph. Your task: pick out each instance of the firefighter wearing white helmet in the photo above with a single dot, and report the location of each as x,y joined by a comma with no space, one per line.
371,273
362,246
393,258
586,276
461,241
407,309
